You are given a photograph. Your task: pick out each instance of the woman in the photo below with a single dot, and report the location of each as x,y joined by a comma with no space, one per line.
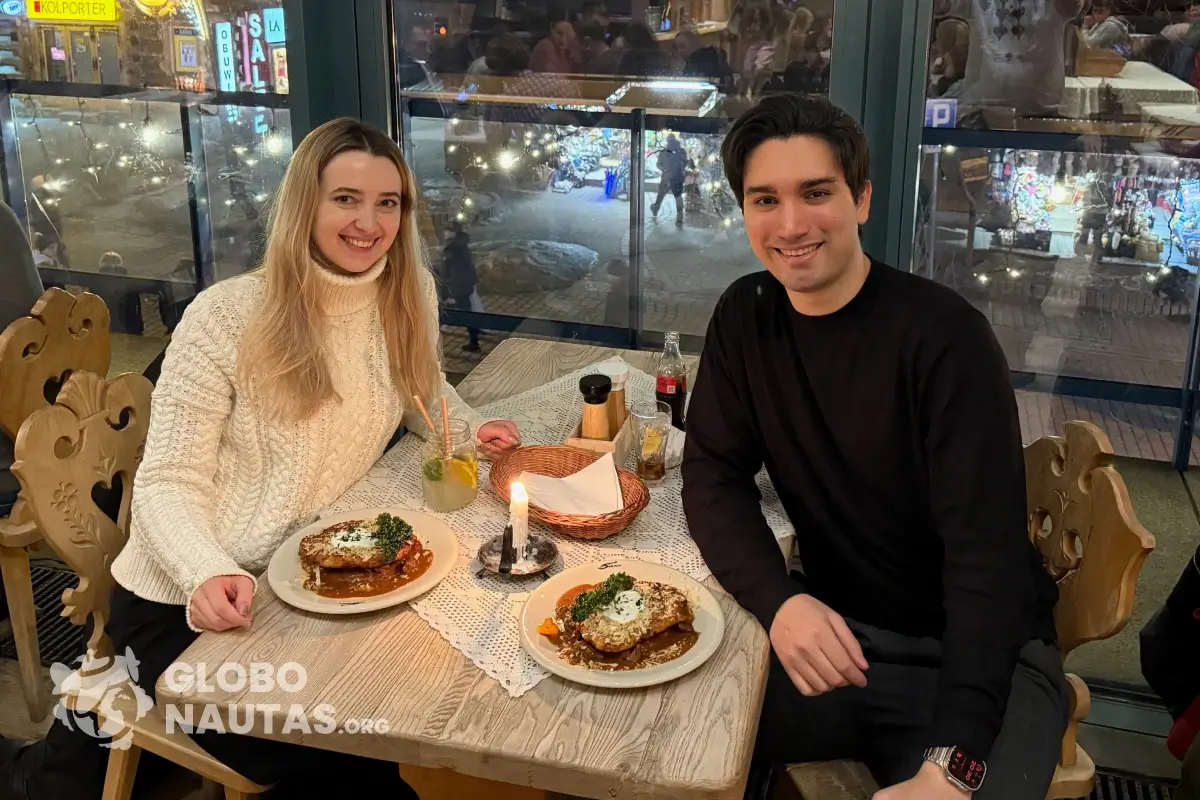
279,390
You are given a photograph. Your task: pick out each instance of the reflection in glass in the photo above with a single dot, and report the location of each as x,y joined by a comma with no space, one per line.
1004,64
226,45
107,185
690,263
743,48
544,211
246,151
107,210
1085,263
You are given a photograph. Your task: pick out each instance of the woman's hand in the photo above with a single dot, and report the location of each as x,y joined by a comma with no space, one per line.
222,603
498,437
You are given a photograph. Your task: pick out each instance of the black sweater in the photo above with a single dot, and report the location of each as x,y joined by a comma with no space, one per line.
890,431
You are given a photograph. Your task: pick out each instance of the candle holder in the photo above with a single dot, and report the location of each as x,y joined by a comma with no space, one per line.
540,554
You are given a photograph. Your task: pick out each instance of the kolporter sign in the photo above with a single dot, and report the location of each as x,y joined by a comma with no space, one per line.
77,10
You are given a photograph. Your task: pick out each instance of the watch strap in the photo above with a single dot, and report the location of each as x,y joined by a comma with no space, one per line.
941,756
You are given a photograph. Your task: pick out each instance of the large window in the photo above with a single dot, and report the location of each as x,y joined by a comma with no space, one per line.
578,150
143,197
1060,192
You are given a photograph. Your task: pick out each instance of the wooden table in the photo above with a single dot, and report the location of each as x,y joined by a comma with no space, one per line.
686,740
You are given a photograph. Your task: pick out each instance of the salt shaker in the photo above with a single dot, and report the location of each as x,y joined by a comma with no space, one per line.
618,373
595,390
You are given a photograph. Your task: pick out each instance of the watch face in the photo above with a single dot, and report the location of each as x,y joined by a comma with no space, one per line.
966,770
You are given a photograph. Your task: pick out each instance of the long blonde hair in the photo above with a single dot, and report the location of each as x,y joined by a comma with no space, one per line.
282,357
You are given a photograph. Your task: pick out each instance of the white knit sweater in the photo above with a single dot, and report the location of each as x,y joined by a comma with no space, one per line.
222,485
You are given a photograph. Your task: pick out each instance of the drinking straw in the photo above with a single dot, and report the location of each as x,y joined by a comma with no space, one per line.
424,413
445,426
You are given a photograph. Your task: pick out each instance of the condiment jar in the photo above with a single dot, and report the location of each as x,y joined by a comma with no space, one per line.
618,373
595,390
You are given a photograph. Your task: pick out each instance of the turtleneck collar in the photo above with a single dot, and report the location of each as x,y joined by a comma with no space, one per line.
342,295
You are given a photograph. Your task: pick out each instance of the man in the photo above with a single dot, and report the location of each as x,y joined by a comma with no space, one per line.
556,53
598,57
672,169
920,638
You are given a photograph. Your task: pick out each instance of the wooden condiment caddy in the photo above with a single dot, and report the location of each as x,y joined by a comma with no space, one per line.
621,445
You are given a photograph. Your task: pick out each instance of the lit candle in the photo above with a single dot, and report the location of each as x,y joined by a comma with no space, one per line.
518,517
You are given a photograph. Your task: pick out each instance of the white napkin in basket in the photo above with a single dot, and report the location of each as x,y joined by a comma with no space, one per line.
592,491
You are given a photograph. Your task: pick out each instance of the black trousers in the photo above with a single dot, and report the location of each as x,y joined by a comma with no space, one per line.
463,303
886,724
70,764
675,188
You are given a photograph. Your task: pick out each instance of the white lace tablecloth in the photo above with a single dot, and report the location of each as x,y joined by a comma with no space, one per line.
480,616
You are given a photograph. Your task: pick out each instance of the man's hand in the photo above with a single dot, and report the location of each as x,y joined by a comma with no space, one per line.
816,647
930,783
222,603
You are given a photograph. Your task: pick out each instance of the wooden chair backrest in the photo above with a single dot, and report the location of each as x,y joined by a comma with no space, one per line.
64,333
1082,522
89,441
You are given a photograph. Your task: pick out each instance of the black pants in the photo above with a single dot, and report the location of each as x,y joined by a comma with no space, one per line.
886,724
675,188
70,764
463,303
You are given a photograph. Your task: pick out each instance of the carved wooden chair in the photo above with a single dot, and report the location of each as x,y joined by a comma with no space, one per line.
72,459
1082,521
64,333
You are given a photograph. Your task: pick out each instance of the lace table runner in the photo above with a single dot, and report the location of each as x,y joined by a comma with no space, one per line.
480,616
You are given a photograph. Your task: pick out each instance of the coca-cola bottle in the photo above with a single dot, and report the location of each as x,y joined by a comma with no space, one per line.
672,379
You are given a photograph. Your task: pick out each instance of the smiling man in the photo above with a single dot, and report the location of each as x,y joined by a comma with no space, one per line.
920,638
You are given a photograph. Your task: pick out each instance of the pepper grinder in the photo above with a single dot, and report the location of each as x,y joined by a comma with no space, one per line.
595,390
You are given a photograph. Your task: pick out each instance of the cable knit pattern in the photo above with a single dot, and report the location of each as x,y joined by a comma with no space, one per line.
221,484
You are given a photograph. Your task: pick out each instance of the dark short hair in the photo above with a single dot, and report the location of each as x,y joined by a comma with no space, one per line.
781,116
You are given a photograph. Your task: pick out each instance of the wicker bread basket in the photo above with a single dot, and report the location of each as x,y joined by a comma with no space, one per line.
559,461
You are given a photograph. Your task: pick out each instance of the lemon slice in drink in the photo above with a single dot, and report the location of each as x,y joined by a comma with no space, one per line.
651,443
463,472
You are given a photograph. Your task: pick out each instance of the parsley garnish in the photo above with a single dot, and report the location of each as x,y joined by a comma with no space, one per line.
391,533
598,598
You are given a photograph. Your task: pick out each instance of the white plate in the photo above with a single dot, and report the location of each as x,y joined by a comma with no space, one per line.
286,576
709,623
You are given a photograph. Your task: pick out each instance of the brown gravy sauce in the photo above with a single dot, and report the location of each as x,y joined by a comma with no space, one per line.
346,583
574,649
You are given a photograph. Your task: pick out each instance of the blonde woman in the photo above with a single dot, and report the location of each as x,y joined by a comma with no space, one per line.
279,390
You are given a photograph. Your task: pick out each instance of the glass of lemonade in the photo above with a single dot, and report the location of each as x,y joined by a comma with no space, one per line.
450,480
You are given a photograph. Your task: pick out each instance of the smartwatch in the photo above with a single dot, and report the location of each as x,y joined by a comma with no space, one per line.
962,770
